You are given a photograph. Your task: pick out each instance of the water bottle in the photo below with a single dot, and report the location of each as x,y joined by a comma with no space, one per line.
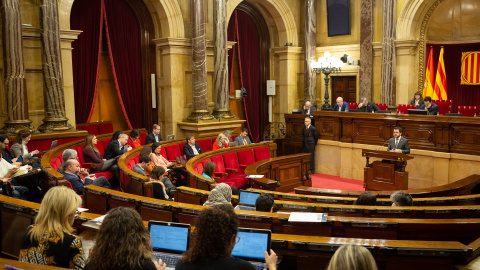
373,111
475,115
438,113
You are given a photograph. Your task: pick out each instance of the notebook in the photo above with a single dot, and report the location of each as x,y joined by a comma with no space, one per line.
169,241
247,200
251,243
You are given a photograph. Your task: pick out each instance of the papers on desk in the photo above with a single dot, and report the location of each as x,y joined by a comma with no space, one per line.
21,171
307,217
94,223
254,176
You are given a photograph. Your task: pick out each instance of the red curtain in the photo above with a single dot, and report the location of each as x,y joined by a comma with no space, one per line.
86,56
123,37
245,33
462,95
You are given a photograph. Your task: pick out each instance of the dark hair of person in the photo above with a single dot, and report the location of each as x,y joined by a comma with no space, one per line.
189,137
3,137
209,168
401,198
115,135
418,93
264,203
146,150
157,172
125,252
209,242
134,133
399,129
89,142
155,145
245,130
22,134
366,198
145,159
428,98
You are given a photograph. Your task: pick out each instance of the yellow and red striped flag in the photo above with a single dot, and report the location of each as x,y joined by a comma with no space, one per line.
428,87
470,68
440,90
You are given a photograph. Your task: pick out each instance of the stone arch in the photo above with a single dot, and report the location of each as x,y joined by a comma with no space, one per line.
278,16
166,14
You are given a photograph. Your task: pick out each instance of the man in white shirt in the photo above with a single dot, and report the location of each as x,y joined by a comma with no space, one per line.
191,148
243,138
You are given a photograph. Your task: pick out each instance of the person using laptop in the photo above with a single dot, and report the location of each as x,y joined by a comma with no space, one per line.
211,246
264,203
131,251
7,155
19,148
155,136
243,138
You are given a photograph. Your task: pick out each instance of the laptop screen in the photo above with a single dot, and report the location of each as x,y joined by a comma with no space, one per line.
169,236
248,198
252,244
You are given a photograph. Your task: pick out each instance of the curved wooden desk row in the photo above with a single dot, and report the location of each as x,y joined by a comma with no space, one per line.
299,252
100,200
198,197
466,186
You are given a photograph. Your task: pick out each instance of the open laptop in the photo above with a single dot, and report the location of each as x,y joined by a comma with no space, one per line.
246,200
170,137
251,243
54,144
169,241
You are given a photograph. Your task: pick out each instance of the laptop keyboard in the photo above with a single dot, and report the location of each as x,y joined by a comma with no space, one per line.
259,266
169,260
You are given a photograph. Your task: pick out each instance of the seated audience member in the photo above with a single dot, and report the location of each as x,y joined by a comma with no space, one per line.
134,139
72,174
432,108
417,100
191,148
340,106
7,170
366,198
66,155
221,194
7,155
19,148
209,170
158,173
155,136
352,257
115,135
366,106
219,142
116,148
49,240
92,155
158,186
131,251
401,198
211,246
228,141
243,138
146,151
160,160
308,108
264,203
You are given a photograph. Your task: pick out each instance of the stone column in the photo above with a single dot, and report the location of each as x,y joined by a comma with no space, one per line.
309,89
199,68
220,75
366,49
389,73
54,101
15,84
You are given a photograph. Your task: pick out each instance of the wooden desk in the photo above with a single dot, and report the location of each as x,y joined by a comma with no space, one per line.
26,266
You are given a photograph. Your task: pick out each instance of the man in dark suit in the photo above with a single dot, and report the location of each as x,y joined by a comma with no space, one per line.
398,143
116,148
310,138
243,138
308,108
72,171
366,106
7,155
432,108
191,148
340,106
155,136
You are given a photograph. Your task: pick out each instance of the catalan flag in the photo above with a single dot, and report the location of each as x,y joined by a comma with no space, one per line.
428,87
470,68
440,90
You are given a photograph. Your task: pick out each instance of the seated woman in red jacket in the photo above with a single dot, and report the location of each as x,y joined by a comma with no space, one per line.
220,142
92,155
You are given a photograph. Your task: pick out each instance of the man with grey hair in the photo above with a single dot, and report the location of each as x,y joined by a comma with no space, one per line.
308,108
116,148
229,142
401,198
310,138
365,106
66,155
73,172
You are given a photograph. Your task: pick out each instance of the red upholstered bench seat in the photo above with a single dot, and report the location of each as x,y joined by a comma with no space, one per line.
403,108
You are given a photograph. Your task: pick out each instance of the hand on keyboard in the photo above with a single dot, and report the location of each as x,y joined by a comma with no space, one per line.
160,265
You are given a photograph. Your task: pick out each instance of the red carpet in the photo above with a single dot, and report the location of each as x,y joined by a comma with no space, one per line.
335,182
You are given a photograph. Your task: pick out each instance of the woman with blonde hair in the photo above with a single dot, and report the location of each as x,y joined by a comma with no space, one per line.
352,257
49,240
130,251
91,154
220,142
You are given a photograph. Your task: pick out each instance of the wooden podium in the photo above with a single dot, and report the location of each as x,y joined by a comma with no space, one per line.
388,174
